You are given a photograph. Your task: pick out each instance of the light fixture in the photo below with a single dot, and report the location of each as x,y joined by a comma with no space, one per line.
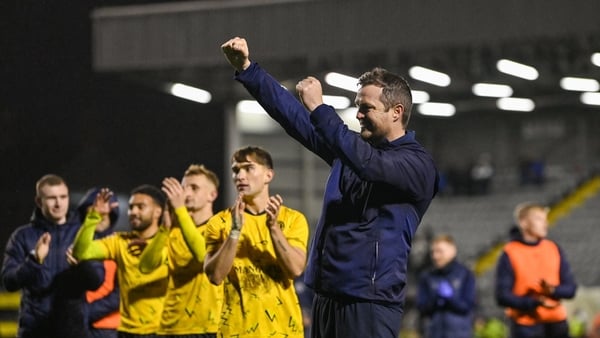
342,81
515,104
249,107
437,109
491,90
189,93
596,59
591,98
337,102
419,96
348,115
517,69
252,118
430,76
579,84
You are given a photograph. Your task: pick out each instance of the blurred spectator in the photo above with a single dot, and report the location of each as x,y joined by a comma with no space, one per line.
481,174
446,295
532,172
532,277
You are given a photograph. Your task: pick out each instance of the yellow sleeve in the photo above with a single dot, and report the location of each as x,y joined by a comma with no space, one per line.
195,241
154,254
214,231
84,247
297,233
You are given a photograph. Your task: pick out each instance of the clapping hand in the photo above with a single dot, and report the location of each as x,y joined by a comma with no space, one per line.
272,210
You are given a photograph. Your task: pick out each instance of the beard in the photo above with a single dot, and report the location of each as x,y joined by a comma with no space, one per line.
141,225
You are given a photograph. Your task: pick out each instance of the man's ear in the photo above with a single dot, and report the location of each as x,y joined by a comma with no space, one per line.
213,195
158,213
270,174
398,112
38,201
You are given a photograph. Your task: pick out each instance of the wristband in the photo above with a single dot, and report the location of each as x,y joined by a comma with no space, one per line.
235,234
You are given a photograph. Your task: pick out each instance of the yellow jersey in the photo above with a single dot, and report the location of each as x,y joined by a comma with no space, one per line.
193,303
259,300
141,295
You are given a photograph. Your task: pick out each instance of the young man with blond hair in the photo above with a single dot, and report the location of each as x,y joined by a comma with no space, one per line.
532,276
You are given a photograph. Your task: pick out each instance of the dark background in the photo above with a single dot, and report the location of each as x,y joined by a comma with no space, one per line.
58,116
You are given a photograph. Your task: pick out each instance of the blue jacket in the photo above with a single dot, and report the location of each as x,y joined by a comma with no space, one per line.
50,286
374,199
448,317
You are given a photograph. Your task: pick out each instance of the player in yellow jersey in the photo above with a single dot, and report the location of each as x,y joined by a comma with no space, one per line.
192,305
142,295
257,248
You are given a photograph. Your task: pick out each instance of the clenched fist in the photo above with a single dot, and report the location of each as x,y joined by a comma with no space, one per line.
310,93
237,53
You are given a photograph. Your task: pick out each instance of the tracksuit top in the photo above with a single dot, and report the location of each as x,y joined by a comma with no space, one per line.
374,199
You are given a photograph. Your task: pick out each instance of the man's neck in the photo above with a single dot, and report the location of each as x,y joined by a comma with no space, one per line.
257,204
147,233
201,216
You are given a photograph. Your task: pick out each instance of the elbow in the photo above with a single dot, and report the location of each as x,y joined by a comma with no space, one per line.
9,285
215,279
145,270
295,273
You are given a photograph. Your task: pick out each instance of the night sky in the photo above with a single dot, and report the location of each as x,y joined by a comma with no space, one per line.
58,116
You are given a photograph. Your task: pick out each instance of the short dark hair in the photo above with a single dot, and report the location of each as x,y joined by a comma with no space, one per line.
156,194
48,179
395,90
260,155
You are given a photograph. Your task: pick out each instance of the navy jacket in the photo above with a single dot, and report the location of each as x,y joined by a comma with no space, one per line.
450,317
49,286
374,199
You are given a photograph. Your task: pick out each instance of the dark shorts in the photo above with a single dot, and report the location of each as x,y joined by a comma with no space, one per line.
334,318
548,330
103,333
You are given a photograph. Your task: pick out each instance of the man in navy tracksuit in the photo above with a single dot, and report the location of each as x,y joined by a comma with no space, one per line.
446,294
35,262
380,185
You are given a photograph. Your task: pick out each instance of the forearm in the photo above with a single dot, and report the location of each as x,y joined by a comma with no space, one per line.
16,276
218,265
84,247
104,306
194,240
291,259
284,108
152,256
567,287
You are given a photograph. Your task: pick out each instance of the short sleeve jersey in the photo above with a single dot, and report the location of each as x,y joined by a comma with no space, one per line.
260,300
141,295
